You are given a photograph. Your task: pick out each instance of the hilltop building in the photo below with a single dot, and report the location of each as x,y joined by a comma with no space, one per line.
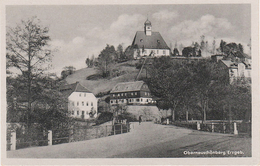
236,69
130,93
81,102
149,43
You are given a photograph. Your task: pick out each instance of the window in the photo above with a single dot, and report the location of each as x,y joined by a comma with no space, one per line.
118,94
164,52
157,51
77,103
132,94
125,94
146,100
141,40
113,95
135,93
82,112
145,93
111,101
122,94
72,103
87,103
86,112
82,103
77,112
130,100
72,112
80,95
84,94
148,27
123,101
141,100
158,41
137,100
91,103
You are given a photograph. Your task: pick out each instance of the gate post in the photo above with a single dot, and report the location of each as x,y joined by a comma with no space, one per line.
198,125
49,137
212,127
13,140
121,128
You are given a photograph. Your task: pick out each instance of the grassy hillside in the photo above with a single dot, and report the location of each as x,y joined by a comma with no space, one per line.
103,85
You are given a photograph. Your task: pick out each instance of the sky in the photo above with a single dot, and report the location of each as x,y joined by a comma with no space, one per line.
80,31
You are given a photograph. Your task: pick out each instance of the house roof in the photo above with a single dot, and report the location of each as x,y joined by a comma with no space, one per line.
127,86
67,90
155,41
234,65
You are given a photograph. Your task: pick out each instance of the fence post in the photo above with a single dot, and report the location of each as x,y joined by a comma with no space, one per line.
114,129
49,137
198,125
212,127
106,131
127,127
13,140
235,128
121,128
224,127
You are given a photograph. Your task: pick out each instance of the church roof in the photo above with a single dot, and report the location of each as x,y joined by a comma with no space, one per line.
155,41
67,90
147,22
127,86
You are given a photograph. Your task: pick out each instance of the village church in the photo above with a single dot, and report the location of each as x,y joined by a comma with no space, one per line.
149,43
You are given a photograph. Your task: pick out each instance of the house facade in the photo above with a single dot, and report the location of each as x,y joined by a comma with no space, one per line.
81,102
130,93
149,43
236,69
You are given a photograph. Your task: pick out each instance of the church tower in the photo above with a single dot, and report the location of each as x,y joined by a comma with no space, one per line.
148,28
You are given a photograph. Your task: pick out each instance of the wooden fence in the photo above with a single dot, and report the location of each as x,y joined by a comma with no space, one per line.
18,140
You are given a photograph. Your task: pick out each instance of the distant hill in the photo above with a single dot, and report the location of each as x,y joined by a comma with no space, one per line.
128,73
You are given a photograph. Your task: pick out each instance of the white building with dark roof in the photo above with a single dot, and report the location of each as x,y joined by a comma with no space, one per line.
236,69
149,43
81,102
136,92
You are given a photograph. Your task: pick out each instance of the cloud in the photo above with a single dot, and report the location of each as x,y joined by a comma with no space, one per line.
74,52
165,15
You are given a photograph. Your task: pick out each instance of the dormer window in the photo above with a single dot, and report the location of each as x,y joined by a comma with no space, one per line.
141,40
158,41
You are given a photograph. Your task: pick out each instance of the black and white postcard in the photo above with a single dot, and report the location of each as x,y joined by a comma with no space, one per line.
130,82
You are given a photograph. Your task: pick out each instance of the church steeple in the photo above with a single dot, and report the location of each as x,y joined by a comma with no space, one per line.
148,27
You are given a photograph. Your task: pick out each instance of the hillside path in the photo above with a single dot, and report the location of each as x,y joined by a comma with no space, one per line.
145,140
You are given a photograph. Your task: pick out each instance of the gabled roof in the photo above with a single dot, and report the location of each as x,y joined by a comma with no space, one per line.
234,65
67,90
127,86
155,41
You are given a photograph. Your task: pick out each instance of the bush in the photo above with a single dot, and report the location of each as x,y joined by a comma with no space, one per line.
104,117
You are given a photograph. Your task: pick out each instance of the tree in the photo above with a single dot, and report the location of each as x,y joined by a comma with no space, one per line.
187,51
240,47
106,59
120,52
129,53
67,70
222,46
27,50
